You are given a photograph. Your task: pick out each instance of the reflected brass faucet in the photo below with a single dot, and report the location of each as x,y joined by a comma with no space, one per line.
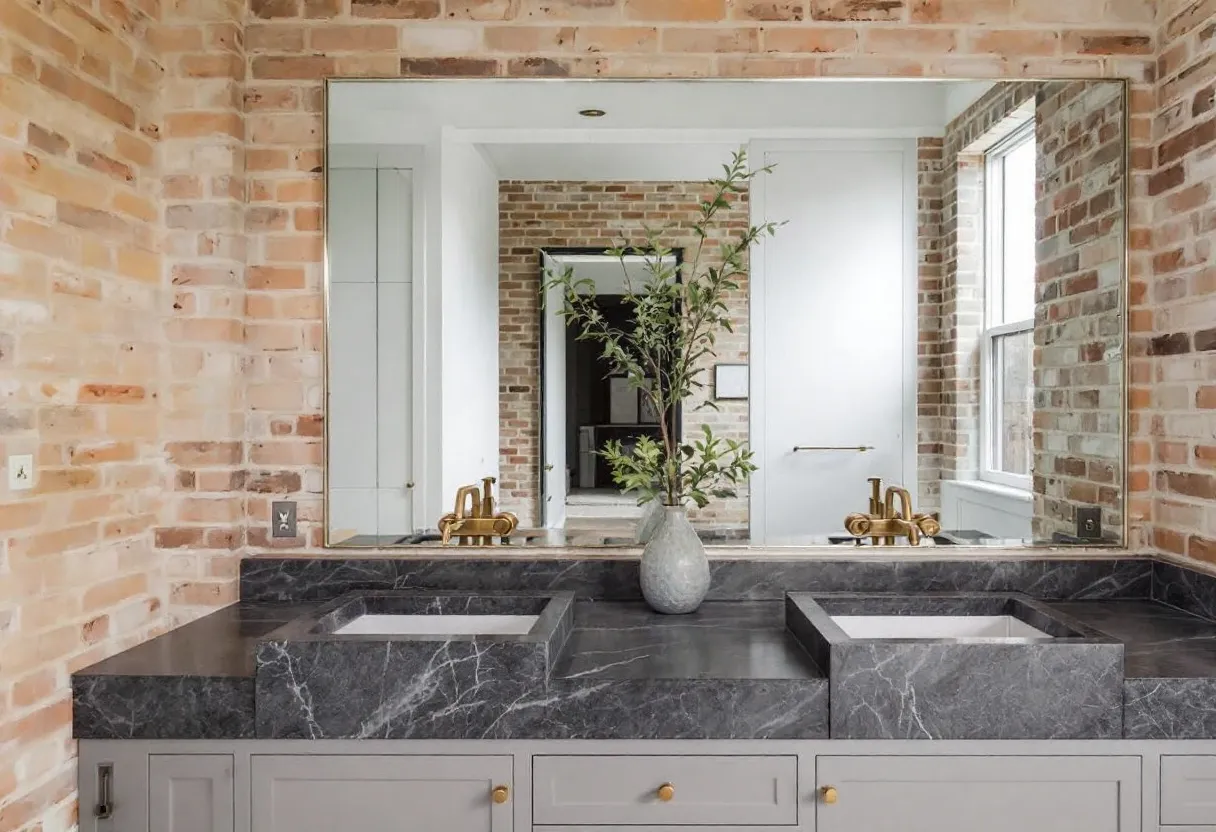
474,522
883,523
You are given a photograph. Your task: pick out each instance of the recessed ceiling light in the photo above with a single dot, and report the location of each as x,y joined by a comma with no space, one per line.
592,113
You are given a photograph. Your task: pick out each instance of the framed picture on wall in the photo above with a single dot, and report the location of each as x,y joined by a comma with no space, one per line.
730,382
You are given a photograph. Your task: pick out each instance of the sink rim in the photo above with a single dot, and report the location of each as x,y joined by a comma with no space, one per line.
488,620
949,621
318,625
814,627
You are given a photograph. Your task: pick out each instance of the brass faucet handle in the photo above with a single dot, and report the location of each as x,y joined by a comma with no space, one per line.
858,525
928,524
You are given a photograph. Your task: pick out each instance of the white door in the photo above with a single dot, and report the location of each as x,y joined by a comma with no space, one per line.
834,335
554,475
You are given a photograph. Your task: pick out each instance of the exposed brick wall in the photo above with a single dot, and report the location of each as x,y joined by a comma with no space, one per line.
1173,296
535,215
1078,363
81,382
293,44
1078,356
930,274
203,420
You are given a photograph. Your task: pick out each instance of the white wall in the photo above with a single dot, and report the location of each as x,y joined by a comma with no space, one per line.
469,318
992,509
961,95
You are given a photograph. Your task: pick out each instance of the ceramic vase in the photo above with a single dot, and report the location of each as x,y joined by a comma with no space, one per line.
675,569
652,516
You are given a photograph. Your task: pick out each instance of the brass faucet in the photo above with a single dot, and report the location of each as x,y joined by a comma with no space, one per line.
884,523
474,521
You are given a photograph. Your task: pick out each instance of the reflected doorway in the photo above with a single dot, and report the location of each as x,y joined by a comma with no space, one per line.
584,405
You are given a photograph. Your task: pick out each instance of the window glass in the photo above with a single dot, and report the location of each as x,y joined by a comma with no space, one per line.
1019,232
1014,400
1007,406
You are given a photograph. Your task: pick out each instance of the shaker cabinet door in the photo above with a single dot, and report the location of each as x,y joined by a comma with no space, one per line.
190,793
368,793
965,794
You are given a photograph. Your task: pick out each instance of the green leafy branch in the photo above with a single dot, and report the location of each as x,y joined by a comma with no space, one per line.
677,313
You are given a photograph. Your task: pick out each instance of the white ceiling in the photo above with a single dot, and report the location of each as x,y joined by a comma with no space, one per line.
408,111
607,162
654,130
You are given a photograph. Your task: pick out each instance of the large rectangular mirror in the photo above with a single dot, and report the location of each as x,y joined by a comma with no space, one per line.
940,306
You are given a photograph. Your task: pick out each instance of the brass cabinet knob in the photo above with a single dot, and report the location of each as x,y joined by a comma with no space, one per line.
828,794
501,794
666,792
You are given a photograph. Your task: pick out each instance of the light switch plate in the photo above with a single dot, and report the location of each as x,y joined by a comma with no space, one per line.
20,472
283,518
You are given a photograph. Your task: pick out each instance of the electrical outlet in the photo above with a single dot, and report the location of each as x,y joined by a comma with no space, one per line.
283,518
20,472
1089,523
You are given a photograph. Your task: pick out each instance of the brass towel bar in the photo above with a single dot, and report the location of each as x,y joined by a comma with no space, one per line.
859,448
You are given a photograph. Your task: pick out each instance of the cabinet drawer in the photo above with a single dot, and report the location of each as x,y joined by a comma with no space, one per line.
963,794
624,791
367,792
1188,790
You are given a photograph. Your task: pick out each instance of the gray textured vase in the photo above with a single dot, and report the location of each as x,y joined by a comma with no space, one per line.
652,516
675,570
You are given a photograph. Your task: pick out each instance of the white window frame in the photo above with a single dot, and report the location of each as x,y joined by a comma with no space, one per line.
995,327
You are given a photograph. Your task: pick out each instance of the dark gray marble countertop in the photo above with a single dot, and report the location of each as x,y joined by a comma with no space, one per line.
721,640
729,670
1159,641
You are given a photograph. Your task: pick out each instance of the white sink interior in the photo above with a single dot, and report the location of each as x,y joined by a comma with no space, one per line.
444,625
957,627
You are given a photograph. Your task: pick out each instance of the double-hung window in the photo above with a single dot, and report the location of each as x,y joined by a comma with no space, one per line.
1006,370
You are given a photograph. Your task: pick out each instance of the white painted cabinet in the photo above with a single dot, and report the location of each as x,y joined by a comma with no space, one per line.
191,793
596,786
965,793
380,793
1188,790
665,790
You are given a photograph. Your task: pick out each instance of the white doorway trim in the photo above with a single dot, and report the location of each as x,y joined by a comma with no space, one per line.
611,275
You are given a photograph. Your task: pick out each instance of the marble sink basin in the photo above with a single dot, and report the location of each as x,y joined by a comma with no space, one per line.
959,666
371,664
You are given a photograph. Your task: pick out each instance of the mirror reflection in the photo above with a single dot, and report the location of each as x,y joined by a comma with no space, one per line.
816,312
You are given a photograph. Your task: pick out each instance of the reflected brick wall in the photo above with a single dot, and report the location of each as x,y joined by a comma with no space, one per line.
535,215
1173,316
1078,355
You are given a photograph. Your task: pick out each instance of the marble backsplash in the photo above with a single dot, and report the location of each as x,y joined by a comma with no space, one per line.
288,579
